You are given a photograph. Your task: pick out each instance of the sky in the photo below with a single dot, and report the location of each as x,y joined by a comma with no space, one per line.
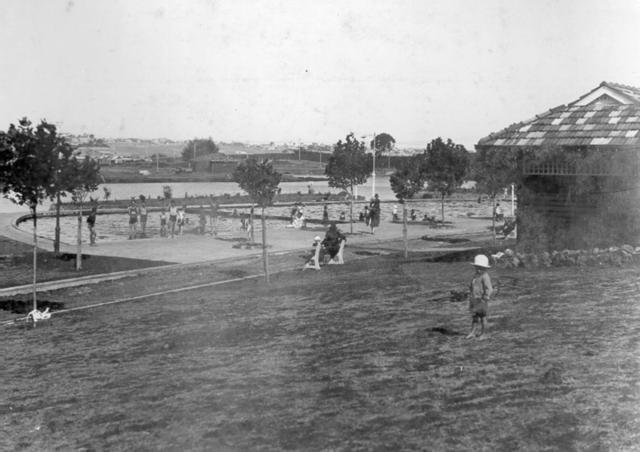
307,70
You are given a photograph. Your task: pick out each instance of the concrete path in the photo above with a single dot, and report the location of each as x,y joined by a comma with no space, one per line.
191,248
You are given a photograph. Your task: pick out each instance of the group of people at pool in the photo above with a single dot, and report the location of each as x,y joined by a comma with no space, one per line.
371,214
173,219
138,214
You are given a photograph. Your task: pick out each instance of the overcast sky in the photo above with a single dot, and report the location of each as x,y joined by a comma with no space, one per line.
298,70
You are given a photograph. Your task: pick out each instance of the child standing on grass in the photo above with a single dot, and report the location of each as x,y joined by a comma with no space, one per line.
480,291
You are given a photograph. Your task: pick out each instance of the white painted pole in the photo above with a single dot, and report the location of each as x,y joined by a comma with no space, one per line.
373,173
513,204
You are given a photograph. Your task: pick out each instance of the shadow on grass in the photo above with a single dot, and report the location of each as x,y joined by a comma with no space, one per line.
25,306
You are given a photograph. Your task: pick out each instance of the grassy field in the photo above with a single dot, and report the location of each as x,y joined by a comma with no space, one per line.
130,173
354,357
16,264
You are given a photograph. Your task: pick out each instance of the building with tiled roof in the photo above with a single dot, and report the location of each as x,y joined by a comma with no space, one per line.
609,115
579,167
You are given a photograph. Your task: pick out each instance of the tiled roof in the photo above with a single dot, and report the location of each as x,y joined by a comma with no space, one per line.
609,115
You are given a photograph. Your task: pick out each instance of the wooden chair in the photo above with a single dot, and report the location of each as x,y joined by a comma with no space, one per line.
314,262
339,259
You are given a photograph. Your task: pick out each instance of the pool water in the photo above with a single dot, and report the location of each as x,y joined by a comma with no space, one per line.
111,227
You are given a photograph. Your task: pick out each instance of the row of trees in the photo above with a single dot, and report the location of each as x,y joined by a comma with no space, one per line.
443,165
37,164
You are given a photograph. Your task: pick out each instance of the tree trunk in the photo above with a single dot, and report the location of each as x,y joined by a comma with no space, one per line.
56,242
404,230
493,218
442,207
35,255
79,241
253,237
265,257
351,212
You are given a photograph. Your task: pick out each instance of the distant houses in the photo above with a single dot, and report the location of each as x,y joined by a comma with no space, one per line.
579,167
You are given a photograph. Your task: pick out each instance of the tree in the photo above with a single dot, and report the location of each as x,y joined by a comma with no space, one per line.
64,153
28,165
260,181
70,177
494,169
198,147
405,182
81,178
348,166
383,144
445,164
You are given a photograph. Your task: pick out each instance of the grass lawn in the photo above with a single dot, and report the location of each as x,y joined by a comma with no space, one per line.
353,357
16,264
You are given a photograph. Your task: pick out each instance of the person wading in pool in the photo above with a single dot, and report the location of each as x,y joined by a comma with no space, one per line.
173,218
132,210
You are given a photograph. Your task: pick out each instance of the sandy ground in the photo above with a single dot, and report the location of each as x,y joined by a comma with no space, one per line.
354,357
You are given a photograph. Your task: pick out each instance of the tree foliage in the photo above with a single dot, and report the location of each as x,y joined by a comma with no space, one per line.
408,179
445,165
349,164
383,143
202,147
29,162
494,169
258,179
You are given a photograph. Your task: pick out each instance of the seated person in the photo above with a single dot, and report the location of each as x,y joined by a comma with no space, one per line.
298,221
342,216
413,215
498,214
332,239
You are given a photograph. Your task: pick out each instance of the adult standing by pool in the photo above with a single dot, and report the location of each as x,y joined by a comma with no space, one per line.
132,210
181,219
143,216
173,217
374,213
91,222
214,216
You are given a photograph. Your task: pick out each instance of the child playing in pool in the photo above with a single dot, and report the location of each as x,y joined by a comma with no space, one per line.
163,223
480,291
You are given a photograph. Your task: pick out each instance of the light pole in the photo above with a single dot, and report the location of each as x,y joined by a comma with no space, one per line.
373,172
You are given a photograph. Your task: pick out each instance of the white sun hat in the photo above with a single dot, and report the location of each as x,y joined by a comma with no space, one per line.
317,238
481,261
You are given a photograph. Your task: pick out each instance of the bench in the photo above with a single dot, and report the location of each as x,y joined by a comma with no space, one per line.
314,262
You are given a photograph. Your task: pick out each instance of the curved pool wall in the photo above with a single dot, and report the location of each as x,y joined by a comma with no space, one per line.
113,225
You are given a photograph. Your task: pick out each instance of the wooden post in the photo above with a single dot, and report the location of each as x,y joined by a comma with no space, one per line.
404,229
56,241
79,241
35,256
264,248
